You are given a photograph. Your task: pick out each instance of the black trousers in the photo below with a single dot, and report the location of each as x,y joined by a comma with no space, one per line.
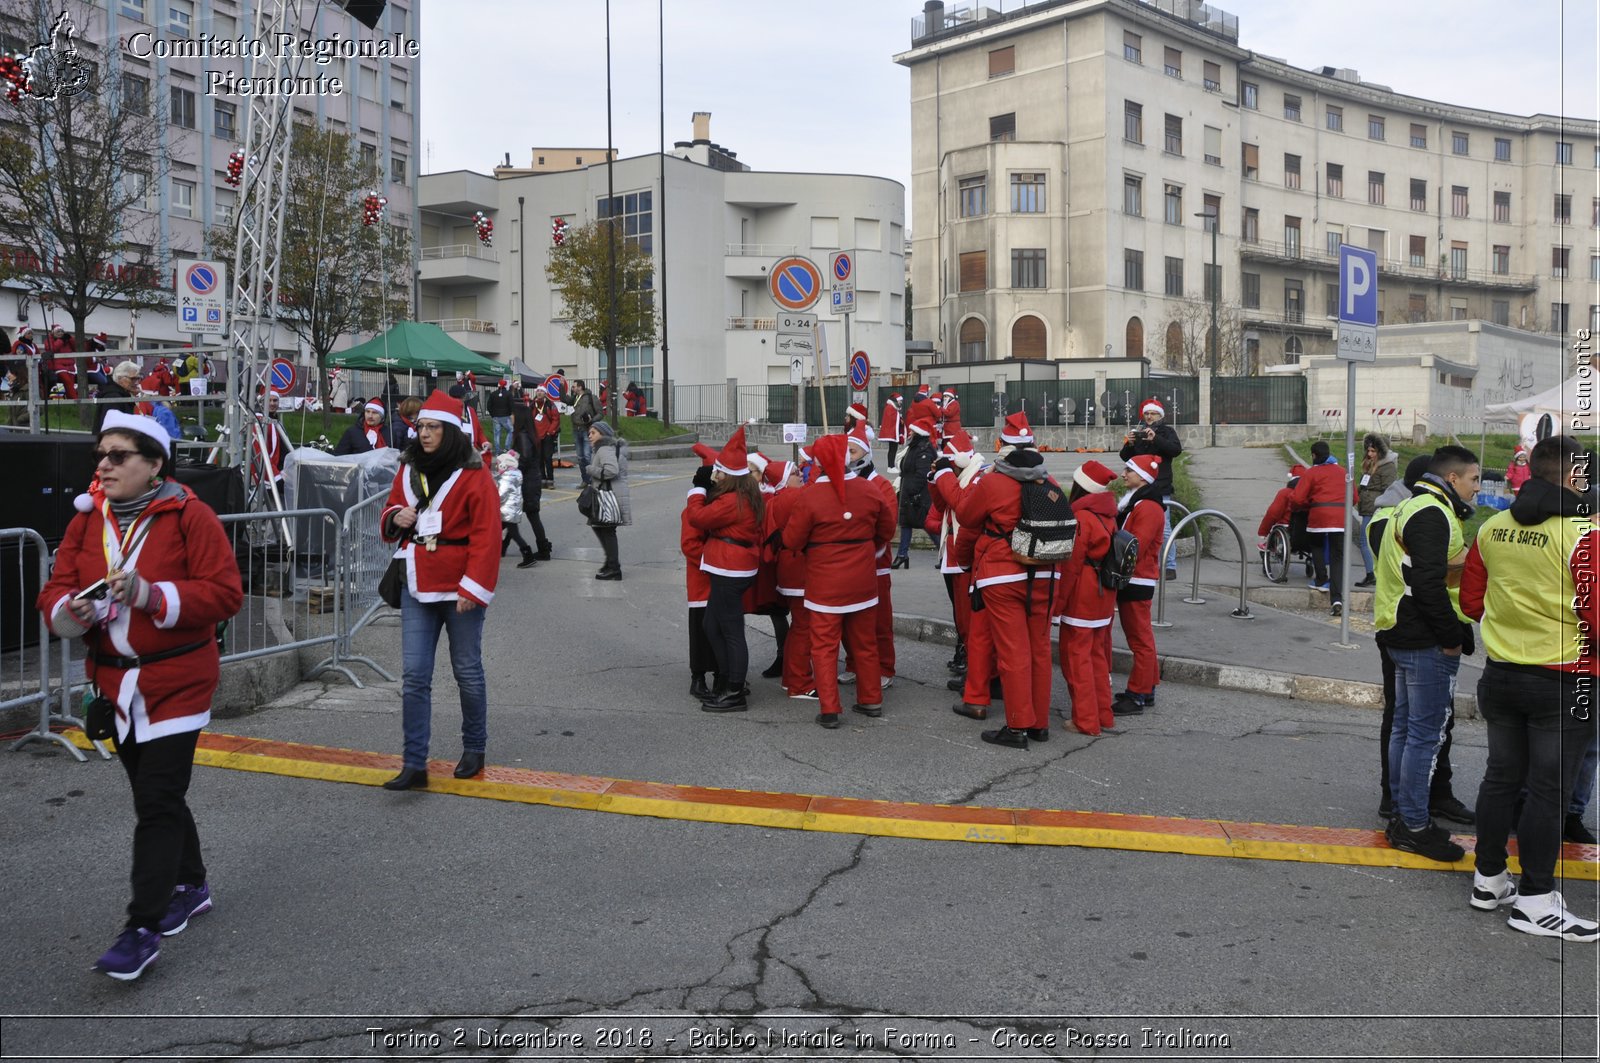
512,534
1327,562
702,659
166,846
607,534
724,624
1535,744
547,458
1439,787
889,461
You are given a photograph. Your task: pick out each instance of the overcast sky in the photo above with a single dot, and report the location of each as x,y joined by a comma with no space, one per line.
810,85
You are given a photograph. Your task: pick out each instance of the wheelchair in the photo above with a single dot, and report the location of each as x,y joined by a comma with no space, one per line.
1287,544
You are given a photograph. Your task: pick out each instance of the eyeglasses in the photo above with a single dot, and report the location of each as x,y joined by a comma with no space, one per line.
115,457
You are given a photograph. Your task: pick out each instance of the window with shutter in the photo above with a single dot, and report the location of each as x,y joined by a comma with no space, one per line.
1002,61
1028,337
975,271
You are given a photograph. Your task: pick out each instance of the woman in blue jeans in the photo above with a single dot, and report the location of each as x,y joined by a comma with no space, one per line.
444,512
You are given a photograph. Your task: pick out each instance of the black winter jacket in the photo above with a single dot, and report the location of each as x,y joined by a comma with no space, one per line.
1426,617
1166,444
916,497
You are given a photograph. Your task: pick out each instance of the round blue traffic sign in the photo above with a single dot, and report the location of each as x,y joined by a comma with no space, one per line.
860,370
795,283
281,375
552,386
202,279
841,267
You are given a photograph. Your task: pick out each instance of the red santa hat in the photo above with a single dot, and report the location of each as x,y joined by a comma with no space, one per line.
1152,404
1093,477
830,454
922,426
895,397
857,436
922,391
759,461
858,411
1296,470
99,341
442,408
707,455
25,330
1017,431
958,442
777,474
374,404
1148,466
805,455
948,395
734,460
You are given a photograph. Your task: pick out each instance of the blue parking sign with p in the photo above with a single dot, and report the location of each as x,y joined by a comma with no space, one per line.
191,313
1358,285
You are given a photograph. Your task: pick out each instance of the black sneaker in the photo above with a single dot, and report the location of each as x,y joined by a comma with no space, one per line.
1432,842
1573,830
1450,808
1369,580
1385,807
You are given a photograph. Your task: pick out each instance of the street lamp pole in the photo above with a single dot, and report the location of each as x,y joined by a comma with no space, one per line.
1214,341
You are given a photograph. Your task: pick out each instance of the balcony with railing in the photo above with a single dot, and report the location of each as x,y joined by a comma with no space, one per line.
1401,269
459,264
753,260
968,16
752,324
480,337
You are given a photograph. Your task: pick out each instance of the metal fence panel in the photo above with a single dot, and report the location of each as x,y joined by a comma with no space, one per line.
1258,400
25,650
288,562
752,403
699,402
780,404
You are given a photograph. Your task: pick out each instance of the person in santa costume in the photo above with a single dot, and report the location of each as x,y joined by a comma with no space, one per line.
947,479
856,414
367,436
144,575
271,444
1156,436
923,407
841,523
891,429
1139,512
692,544
96,368
859,451
794,653
1086,606
444,512
1017,597
949,415
915,498
159,381
731,514
547,432
58,344
763,599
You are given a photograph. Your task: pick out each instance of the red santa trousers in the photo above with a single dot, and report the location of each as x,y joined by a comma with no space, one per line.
797,650
1020,628
858,632
1144,674
1086,663
980,657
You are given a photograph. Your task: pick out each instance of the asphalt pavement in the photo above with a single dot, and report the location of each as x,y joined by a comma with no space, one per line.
355,923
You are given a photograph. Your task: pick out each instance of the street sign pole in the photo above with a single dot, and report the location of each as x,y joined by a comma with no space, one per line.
1358,342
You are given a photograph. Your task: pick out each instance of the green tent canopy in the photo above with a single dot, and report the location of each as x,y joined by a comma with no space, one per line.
415,347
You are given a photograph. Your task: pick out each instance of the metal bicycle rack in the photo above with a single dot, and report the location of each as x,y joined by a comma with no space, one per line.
1243,611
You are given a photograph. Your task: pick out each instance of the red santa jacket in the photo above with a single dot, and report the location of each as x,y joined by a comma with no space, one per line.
1321,491
923,408
692,542
841,541
733,536
1084,602
179,545
1142,514
791,564
991,507
943,524
546,417
277,446
63,345
466,559
891,428
892,500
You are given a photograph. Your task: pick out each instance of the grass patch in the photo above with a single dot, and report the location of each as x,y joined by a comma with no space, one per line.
633,429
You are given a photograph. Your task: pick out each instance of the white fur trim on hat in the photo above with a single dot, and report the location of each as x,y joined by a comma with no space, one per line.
374,404
1086,482
1146,477
117,421
724,470
1152,404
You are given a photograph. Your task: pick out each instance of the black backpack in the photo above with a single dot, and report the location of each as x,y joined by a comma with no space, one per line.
1044,532
1116,568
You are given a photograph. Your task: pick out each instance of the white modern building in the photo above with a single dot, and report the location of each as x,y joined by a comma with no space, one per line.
1086,173
197,98
714,227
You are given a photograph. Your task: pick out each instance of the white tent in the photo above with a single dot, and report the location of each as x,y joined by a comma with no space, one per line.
1573,396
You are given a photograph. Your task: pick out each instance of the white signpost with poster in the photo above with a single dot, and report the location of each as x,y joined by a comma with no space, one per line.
1358,342
202,297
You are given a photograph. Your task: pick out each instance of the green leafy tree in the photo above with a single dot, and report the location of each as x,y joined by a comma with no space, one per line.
336,275
77,173
579,271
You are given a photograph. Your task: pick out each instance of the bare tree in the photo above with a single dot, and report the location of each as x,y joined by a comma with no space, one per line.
78,156
337,274
1183,339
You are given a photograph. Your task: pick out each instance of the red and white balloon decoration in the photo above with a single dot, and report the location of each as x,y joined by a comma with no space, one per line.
485,228
558,232
235,169
12,77
372,208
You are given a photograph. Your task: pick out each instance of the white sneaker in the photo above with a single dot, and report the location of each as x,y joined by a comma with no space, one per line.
1546,915
847,679
886,682
1489,893
806,695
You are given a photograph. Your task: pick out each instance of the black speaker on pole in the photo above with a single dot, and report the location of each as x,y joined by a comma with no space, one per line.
366,12
42,474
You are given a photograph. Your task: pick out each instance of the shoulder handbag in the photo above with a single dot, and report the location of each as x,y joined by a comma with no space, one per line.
393,582
586,500
607,510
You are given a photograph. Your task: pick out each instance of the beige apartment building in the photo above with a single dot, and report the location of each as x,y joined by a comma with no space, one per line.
1071,158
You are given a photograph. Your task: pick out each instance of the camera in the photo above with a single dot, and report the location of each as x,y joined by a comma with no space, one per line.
94,592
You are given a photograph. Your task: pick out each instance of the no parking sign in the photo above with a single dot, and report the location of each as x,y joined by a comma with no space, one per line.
201,293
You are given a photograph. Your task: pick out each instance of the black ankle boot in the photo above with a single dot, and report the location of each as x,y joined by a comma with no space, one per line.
408,779
957,665
471,764
775,669
730,697
698,688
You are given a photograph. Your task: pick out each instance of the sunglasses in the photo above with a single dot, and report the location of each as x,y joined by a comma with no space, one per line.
115,457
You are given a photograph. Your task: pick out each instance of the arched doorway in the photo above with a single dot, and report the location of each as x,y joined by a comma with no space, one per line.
1133,342
974,340
1028,337
1174,345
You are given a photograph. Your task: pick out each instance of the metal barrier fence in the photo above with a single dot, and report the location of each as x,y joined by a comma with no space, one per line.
699,402
364,559
752,403
25,659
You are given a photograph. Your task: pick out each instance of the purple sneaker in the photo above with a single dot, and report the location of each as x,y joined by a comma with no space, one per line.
187,902
136,948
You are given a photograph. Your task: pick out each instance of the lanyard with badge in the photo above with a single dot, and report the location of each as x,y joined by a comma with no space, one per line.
126,546
430,523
